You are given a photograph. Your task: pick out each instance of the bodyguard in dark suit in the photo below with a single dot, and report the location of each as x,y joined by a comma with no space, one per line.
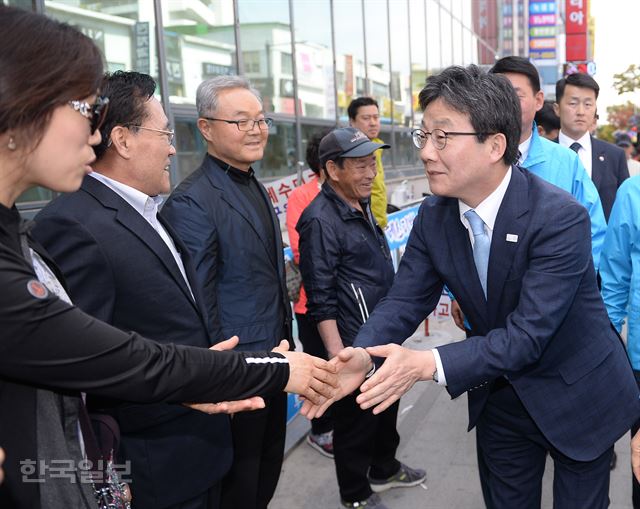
546,372
605,163
126,266
225,217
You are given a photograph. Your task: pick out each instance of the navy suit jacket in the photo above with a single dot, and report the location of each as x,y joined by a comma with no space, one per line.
609,169
119,270
543,325
245,291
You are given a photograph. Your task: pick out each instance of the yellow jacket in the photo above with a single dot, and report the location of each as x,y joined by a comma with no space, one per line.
379,191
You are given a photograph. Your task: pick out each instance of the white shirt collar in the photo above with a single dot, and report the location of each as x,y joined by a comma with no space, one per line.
524,149
488,208
585,141
147,206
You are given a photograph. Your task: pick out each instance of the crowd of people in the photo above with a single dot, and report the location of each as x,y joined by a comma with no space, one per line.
131,331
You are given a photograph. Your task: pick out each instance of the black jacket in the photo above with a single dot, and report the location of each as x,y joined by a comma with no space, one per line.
240,271
47,344
345,262
119,270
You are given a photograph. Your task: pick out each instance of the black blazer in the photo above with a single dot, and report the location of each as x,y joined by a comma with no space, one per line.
243,283
120,270
609,169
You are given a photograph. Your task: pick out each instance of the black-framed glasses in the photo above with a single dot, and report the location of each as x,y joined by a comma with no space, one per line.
169,134
438,137
95,113
246,124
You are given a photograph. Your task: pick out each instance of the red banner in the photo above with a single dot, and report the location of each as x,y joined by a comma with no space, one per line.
576,29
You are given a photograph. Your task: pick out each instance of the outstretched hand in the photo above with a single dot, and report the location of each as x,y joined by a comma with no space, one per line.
635,455
352,365
228,407
313,378
401,369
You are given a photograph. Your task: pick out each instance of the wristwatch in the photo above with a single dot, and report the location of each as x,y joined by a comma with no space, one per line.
435,375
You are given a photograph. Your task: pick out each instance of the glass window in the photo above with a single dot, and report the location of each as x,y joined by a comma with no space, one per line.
124,31
378,71
435,57
349,40
199,44
418,55
190,146
280,154
266,33
314,65
400,64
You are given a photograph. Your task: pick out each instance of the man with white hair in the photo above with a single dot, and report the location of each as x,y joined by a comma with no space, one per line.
225,218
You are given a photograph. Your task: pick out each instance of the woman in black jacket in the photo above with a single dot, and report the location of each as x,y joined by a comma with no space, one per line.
49,350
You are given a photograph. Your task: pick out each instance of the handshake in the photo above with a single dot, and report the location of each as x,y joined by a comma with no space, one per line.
320,383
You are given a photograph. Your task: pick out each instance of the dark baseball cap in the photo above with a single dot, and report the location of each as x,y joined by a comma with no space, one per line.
346,142
623,140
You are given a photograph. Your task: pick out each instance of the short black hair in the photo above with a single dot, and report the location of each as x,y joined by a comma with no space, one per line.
547,118
127,91
518,65
489,100
313,159
578,79
356,104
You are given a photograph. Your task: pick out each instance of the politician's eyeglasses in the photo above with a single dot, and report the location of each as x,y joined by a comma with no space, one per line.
438,137
246,124
95,113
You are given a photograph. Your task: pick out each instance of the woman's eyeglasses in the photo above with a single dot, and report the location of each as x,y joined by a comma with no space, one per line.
95,113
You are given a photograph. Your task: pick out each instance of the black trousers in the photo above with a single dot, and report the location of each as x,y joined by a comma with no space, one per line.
258,451
511,458
313,345
363,442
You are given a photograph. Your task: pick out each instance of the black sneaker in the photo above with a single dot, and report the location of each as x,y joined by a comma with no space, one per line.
404,478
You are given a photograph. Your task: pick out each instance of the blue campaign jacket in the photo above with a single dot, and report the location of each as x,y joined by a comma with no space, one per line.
620,265
345,262
562,167
543,324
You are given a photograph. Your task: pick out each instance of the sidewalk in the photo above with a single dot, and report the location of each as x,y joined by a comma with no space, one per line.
433,436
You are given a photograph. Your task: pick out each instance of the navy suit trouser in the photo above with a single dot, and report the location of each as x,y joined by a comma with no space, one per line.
511,457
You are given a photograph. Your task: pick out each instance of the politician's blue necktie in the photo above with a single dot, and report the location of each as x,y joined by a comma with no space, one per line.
481,246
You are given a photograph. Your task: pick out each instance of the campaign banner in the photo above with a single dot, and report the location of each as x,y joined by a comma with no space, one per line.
278,191
576,30
399,226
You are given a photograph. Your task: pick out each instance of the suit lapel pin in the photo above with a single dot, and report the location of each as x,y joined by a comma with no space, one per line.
512,237
600,158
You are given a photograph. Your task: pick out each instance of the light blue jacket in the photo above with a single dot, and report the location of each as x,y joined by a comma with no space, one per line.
562,167
620,265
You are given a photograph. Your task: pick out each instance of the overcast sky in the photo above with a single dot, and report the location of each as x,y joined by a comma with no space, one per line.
617,45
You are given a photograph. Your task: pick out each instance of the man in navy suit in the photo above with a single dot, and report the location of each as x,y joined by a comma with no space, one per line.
225,217
605,163
545,372
125,265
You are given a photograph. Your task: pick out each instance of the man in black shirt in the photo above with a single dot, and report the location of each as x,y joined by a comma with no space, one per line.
224,216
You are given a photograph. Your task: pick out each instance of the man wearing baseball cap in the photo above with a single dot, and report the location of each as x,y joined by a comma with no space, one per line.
346,269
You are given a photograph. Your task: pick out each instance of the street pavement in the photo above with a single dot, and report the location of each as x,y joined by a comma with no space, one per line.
433,431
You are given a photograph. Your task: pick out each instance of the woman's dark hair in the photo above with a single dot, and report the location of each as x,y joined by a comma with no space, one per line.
44,63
